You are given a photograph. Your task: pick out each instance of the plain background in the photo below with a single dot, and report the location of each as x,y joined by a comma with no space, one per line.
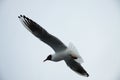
93,26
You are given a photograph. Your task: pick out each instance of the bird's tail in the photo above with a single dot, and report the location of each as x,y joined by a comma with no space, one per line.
75,52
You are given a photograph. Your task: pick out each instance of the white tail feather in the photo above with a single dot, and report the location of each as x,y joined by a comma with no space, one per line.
75,52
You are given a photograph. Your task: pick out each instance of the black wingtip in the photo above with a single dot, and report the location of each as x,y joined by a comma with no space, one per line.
20,16
87,75
23,16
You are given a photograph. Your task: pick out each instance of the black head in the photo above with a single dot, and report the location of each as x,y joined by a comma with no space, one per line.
48,58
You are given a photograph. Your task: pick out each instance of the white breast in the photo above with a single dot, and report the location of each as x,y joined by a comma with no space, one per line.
59,56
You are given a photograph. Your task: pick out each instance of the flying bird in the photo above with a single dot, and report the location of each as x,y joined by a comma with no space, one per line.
69,54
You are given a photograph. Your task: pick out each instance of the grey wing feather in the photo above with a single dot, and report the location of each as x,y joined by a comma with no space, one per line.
42,34
75,66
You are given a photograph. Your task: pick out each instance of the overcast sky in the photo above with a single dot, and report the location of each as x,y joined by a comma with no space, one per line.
93,26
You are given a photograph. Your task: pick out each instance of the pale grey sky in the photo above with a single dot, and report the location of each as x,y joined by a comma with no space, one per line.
93,26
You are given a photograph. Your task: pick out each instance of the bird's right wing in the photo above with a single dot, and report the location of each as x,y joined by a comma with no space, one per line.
42,34
75,66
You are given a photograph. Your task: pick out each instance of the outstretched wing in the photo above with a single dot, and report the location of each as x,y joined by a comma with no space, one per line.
75,66
42,34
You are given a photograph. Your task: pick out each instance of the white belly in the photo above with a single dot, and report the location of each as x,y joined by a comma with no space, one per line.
58,57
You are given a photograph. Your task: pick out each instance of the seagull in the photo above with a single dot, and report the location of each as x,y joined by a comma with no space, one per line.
69,54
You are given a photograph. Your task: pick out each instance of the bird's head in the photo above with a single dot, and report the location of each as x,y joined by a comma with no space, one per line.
48,58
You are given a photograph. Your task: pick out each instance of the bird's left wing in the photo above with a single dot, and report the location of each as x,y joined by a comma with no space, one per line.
42,34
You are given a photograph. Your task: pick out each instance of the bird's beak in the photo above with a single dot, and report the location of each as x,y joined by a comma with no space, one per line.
45,60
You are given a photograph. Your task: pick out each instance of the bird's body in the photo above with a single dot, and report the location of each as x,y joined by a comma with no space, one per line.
62,52
59,56
62,55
